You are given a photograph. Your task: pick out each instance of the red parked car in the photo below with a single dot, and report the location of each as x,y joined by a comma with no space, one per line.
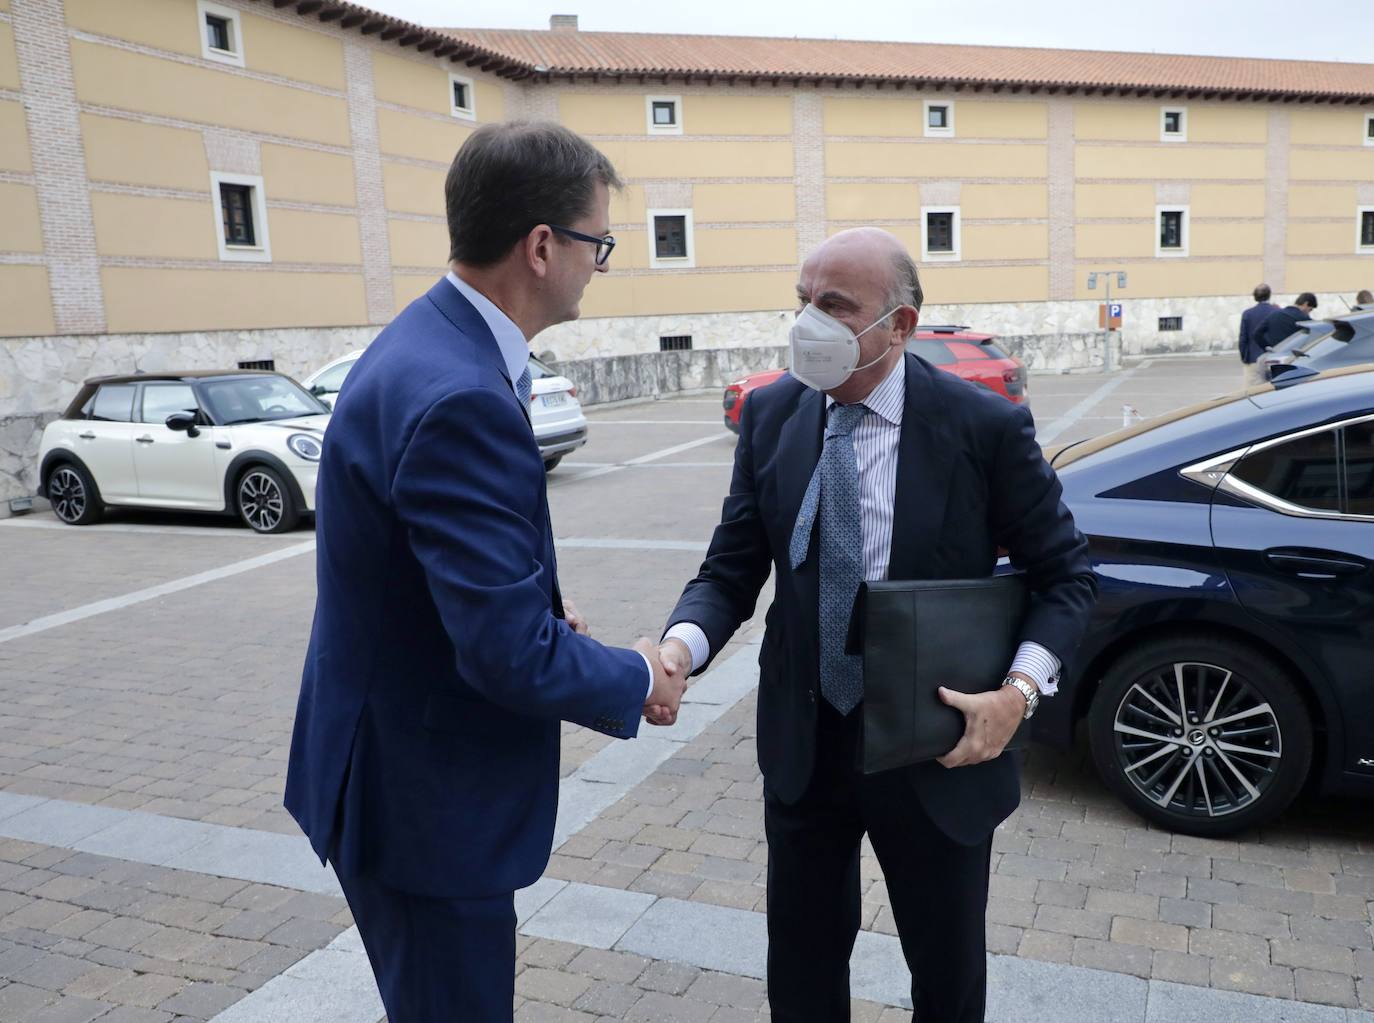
958,350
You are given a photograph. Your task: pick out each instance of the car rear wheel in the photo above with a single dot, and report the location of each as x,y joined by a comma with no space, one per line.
1201,734
264,502
71,492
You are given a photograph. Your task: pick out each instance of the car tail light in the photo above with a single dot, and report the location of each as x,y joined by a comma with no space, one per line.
572,391
731,396
1015,380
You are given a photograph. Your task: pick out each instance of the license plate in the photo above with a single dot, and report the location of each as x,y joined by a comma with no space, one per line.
554,400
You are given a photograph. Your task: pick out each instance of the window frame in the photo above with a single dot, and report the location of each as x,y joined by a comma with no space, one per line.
1173,136
1361,249
153,385
955,231
206,9
947,132
261,251
468,113
663,129
1367,128
1217,472
1185,230
657,262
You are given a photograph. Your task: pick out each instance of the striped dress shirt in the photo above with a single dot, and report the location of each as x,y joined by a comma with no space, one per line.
876,440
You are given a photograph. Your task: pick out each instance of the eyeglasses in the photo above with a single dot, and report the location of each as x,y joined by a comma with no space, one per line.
603,245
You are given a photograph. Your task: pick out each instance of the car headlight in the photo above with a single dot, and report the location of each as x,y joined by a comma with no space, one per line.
305,446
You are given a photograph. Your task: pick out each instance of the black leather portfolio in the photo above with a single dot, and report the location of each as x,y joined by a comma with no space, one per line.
918,635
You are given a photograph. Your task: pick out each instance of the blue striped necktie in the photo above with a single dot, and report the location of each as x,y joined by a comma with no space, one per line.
522,389
833,493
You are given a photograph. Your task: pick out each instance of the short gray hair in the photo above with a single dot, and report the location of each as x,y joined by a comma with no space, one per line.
906,283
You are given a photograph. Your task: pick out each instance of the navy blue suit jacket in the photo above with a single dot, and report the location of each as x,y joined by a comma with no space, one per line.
970,479
426,742
1250,320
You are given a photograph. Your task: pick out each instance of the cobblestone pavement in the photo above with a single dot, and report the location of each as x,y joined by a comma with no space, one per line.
180,706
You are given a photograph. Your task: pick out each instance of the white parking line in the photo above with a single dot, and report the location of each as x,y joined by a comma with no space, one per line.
1055,427
16,522
100,607
652,456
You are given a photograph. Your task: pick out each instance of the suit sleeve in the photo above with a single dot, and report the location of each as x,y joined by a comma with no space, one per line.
1031,521
467,488
1245,334
727,586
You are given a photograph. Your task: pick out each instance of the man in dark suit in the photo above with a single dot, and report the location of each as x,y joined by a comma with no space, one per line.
424,764
1282,322
897,471
1251,371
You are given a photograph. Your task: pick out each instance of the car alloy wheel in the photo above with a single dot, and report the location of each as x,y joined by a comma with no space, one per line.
263,501
72,495
1203,735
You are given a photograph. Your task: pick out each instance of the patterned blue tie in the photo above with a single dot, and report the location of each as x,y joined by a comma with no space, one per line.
834,492
522,389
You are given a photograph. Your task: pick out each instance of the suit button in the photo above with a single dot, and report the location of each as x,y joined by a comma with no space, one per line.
811,695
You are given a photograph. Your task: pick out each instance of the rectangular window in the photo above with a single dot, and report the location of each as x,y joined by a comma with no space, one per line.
236,206
672,238
675,343
221,39
663,115
462,102
940,232
939,115
1172,234
1369,129
241,218
1173,124
1171,323
267,364
1364,225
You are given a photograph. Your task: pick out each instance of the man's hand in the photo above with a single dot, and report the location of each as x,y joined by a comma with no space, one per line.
990,720
574,618
670,682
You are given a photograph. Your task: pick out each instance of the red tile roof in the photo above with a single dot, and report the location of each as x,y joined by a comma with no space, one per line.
612,54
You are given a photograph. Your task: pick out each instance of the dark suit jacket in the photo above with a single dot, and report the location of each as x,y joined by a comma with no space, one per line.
1277,326
970,478
1250,322
426,741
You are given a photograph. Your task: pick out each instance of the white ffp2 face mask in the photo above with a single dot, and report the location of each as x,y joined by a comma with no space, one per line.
824,352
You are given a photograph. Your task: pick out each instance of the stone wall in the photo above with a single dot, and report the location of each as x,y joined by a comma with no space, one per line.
620,377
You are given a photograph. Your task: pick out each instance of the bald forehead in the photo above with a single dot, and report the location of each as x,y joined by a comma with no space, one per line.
853,269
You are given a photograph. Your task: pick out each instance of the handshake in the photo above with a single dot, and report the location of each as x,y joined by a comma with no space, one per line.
671,663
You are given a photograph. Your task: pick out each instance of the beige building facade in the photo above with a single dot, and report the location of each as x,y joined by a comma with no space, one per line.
202,183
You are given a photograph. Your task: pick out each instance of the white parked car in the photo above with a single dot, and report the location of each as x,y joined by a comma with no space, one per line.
241,442
555,413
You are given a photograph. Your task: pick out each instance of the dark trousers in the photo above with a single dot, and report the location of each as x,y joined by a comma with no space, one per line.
938,889
437,960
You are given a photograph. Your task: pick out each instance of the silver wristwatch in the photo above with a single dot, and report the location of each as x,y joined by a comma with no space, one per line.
1027,690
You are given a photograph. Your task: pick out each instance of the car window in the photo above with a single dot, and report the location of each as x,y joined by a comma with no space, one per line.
161,400
259,399
1359,469
934,352
332,379
539,369
1303,471
114,403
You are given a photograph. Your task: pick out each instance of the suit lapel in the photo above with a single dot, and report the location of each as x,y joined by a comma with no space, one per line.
799,449
925,459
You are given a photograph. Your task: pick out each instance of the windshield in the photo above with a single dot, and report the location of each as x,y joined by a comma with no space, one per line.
259,399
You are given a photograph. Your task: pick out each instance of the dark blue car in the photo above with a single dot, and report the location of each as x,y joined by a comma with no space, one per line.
1230,660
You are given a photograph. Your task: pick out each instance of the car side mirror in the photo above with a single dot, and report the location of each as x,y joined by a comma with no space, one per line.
183,421
318,390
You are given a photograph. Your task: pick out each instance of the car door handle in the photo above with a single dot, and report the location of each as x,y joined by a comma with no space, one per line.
87,435
1314,566
145,439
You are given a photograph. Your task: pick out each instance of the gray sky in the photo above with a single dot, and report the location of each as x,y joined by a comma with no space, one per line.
1329,29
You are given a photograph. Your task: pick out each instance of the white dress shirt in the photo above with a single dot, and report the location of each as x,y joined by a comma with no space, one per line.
876,440
515,352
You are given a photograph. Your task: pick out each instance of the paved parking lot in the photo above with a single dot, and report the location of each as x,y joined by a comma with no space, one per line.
148,675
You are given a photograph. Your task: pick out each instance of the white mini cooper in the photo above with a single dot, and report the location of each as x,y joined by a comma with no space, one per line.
237,442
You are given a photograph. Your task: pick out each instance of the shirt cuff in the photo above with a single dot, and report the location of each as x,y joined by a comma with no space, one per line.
1041,666
698,647
649,667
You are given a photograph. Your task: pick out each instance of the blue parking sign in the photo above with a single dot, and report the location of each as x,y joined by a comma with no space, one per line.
1115,311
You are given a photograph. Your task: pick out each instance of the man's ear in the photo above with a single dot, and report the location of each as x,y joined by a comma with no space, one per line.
905,320
536,246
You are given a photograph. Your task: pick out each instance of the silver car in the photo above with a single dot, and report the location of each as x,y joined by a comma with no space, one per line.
555,413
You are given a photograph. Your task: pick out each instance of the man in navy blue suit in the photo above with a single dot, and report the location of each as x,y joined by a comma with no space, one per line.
866,463
424,764
1252,372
